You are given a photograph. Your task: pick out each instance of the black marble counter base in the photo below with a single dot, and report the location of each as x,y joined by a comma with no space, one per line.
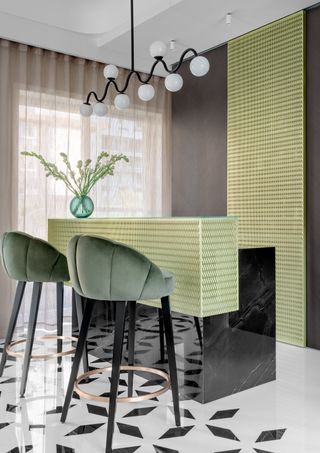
217,355
239,348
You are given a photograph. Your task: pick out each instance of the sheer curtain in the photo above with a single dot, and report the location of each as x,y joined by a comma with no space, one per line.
40,95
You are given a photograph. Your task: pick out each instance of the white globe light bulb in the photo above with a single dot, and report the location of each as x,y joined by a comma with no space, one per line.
146,92
122,101
111,71
158,49
86,110
173,82
199,66
100,109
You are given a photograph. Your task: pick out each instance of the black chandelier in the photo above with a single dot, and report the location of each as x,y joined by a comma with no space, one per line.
199,66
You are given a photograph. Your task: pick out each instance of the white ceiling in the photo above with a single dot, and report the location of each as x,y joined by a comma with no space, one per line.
100,29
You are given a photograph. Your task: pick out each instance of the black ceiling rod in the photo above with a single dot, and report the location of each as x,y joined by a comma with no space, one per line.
132,36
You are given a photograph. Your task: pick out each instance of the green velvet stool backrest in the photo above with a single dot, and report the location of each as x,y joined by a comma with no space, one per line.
26,258
106,270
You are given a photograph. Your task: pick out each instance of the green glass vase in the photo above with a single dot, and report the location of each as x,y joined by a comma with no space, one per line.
81,207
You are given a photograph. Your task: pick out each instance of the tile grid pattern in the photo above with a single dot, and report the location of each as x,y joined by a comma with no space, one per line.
202,253
266,161
219,273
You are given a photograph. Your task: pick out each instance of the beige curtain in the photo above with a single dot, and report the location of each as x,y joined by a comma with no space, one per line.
40,95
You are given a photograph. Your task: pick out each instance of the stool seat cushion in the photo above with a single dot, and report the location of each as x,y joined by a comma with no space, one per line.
26,258
106,270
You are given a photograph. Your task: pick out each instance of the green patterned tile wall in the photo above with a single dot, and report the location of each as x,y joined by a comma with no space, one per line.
202,253
266,157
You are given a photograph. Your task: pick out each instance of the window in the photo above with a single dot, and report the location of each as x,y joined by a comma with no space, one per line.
50,124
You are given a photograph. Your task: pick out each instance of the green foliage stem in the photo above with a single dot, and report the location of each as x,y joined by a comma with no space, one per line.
81,180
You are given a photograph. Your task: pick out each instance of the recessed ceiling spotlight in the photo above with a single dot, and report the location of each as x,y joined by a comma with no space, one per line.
172,45
228,18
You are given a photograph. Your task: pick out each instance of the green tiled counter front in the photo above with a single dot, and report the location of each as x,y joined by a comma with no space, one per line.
201,252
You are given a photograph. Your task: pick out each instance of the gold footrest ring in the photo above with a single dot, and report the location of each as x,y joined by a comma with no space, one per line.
123,399
13,353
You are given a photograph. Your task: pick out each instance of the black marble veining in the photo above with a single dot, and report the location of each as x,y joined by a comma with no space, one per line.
239,348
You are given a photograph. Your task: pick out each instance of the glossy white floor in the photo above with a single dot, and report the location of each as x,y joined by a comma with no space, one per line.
280,417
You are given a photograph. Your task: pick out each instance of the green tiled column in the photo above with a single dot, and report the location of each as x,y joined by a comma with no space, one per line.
266,157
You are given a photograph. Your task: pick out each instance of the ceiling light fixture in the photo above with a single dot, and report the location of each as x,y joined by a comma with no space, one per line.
172,45
228,18
199,66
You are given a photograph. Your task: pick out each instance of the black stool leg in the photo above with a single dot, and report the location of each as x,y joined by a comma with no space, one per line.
60,296
132,305
161,335
116,361
79,308
36,294
76,361
12,323
165,303
197,324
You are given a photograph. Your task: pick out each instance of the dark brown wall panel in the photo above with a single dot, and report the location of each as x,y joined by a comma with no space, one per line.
313,178
199,180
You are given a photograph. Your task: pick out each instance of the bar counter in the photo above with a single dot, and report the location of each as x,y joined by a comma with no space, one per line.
201,252
224,302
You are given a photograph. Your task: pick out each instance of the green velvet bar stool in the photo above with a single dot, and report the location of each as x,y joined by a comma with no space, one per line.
29,259
101,269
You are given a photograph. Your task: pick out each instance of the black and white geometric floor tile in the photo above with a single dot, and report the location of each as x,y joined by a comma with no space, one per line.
280,417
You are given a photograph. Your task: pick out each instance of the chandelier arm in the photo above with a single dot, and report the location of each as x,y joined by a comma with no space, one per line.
119,90
106,90
141,80
178,66
146,80
164,64
150,75
92,93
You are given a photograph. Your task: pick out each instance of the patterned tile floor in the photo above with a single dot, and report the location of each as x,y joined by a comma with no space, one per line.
279,417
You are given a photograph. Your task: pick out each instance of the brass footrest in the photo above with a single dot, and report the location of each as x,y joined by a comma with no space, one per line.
13,353
123,399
